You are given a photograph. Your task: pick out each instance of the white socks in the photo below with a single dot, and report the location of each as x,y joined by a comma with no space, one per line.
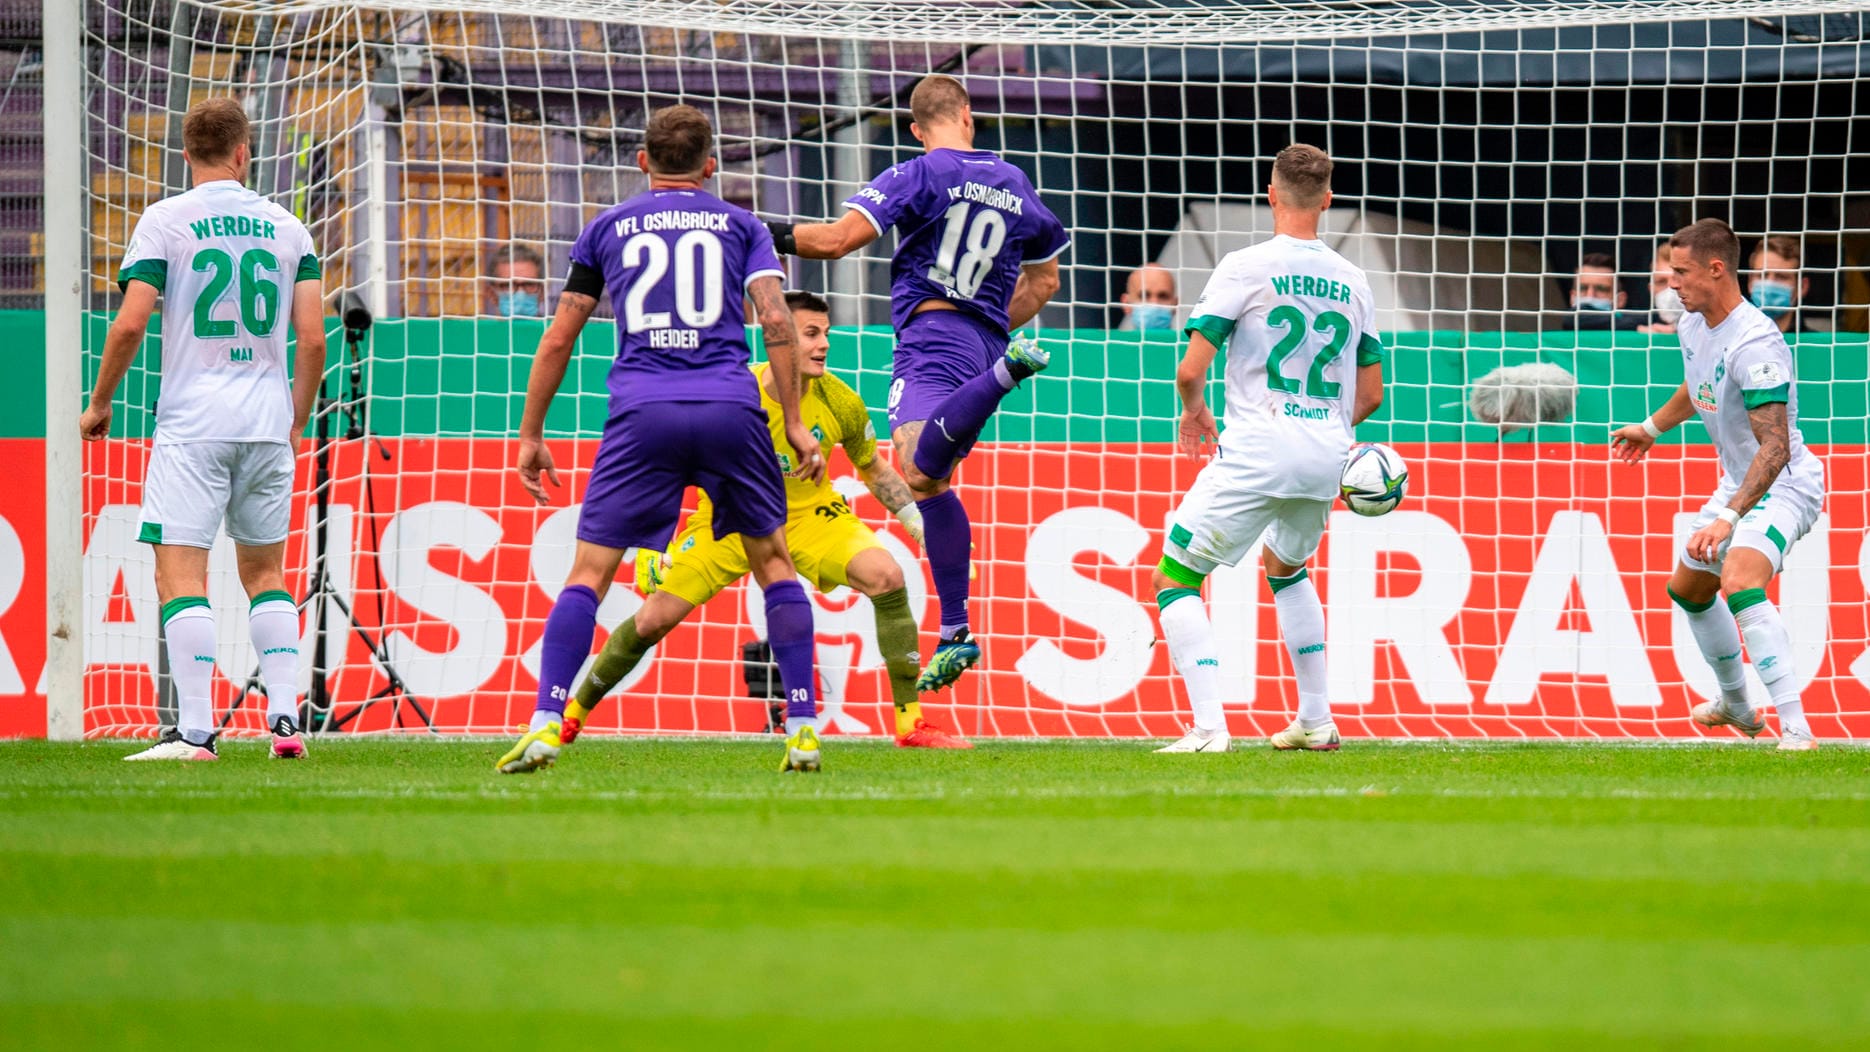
1191,647
188,628
1302,625
273,624
1719,639
1771,651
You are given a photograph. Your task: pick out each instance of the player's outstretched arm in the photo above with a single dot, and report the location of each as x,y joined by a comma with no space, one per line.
1369,392
120,347
548,372
1632,442
308,362
1191,382
1037,284
769,305
823,240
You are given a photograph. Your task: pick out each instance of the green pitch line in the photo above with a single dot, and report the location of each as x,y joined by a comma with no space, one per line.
645,894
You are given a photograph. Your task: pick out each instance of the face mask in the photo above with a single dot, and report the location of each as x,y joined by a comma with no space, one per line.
1594,303
1152,316
1772,298
1668,306
517,304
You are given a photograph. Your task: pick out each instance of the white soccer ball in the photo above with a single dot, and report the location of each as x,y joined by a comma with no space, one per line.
1374,480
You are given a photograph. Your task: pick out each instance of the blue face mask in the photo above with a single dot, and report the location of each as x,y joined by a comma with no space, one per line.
1594,303
1147,317
517,304
1773,298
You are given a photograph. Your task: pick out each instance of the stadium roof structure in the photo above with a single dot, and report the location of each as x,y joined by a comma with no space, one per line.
1730,51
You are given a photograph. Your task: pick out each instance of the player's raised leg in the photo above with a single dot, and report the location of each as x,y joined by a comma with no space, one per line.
956,421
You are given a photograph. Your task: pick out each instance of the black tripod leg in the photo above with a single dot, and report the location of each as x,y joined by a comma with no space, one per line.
397,692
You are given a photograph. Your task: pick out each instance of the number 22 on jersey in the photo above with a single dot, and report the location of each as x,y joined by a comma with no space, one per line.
1297,327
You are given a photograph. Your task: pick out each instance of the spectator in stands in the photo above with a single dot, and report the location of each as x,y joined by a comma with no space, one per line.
1778,289
515,283
1665,304
1149,299
1597,296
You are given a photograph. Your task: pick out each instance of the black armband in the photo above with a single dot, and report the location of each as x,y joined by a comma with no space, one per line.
585,281
783,241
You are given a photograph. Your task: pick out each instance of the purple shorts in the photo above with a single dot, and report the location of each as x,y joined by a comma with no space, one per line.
653,451
938,351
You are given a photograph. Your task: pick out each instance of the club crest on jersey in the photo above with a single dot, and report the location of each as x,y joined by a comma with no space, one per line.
818,432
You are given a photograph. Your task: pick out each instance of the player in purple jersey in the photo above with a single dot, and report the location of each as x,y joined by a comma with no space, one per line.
684,410
977,257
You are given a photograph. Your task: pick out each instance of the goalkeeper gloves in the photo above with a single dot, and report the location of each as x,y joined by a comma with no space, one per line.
650,565
783,241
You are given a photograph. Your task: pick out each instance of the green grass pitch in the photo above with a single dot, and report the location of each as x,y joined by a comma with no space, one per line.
650,894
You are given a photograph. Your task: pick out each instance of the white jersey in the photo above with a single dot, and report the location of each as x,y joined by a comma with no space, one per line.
1295,320
225,260
1738,365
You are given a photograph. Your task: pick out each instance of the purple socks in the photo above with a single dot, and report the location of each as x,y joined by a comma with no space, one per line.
953,424
789,633
569,629
948,539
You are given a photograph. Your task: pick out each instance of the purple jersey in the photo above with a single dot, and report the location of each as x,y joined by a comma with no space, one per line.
677,264
967,221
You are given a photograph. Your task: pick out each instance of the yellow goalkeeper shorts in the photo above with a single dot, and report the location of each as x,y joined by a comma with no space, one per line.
823,541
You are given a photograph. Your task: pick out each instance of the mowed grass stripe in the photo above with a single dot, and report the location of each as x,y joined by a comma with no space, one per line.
682,894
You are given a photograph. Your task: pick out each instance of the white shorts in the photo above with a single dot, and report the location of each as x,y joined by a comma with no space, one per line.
1773,526
191,486
1217,522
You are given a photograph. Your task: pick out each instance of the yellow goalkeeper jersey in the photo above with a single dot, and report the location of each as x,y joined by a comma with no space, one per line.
835,415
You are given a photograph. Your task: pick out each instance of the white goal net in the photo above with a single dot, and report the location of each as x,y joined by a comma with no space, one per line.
1490,157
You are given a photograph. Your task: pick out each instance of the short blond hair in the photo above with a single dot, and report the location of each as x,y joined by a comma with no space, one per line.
1302,174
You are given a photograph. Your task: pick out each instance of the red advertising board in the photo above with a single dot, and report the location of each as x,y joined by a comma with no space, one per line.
1518,592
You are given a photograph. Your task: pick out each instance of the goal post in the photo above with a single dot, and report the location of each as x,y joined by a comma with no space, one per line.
441,151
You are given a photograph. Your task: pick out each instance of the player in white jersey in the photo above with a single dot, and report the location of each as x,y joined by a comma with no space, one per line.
1740,381
1304,366
230,267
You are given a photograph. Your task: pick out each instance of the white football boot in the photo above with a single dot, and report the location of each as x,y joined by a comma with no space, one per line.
1324,739
173,746
1717,714
1198,740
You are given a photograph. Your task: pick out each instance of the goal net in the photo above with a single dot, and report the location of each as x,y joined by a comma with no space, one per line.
445,155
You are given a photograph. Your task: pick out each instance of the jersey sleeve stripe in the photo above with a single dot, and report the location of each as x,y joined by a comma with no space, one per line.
1370,350
1767,396
1216,329
153,272
1045,259
865,212
758,274
309,270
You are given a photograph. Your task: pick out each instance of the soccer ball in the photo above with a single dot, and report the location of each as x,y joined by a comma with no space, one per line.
1374,479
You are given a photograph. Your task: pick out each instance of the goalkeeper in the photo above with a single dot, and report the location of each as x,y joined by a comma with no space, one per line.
828,543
